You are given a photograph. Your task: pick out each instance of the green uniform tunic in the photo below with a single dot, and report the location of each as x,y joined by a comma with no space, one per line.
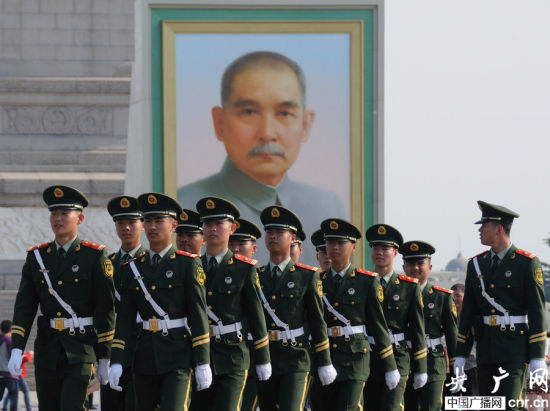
64,362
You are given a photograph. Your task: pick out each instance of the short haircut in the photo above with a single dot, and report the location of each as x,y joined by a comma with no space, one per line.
5,326
458,287
259,59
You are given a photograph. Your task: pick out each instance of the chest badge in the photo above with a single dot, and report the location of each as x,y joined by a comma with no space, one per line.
169,274
396,297
351,291
290,284
508,274
75,268
431,306
228,280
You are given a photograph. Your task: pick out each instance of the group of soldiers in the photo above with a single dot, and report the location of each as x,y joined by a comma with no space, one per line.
172,329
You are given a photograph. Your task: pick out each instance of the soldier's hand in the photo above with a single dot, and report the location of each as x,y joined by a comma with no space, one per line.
327,374
103,371
203,376
458,366
392,379
114,376
420,380
14,364
537,365
263,371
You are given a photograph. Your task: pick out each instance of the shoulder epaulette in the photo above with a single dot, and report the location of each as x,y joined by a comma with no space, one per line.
445,290
185,253
245,259
262,268
367,272
36,247
111,256
95,246
307,267
525,253
407,278
478,255
135,258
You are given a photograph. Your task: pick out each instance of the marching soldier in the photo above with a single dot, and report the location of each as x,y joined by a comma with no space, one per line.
318,240
403,313
353,302
72,281
129,224
232,286
439,323
296,248
504,300
189,236
166,288
291,293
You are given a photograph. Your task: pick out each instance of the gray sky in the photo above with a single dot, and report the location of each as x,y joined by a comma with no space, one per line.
467,118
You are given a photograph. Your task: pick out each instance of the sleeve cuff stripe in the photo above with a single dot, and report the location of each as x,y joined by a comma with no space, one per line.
386,355
105,339
200,337
425,350
201,342
419,357
461,336
537,340
322,348
387,349
322,343
119,341
106,333
262,345
118,346
261,340
531,336
22,334
18,328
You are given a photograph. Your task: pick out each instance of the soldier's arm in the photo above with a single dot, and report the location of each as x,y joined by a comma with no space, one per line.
534,296
104,301
315,317
469,310
377,324
196,311
448,322
126,316
417,334
26,304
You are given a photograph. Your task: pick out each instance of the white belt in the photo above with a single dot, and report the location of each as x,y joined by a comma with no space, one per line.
432,343
219,330
346,331
61,324
158,324
394,338
504,320
278,335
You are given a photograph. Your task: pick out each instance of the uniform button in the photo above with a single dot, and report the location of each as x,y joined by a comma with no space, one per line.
492,286
153,287
336,304
273,325
492,310
42,281
210,307
291,295
521,332
273,309
335,318
76,280
364,350
60,282
334,345
209,292
209,321
299,344
273,297
154,316
137,288
509,286
169,285
228,291
353,302
59,314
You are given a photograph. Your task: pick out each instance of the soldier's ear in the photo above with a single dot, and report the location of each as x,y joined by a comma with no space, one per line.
217,120
307,123
80,217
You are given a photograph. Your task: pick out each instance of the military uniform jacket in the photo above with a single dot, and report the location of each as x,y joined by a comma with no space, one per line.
517,285
117,278
439,320
83,279
177,286
403,313
232,293
359,298
295,300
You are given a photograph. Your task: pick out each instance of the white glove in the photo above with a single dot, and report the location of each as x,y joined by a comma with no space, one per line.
392,379
263,371
458,366
114,376
103,371
203,376
14,364
535,364
420,380
327,374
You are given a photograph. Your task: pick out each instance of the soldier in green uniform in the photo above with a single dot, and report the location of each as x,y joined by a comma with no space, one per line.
403,313
504,300
189,236
166,288
353,302
318,241
232,286
128,224
439,324
291,293
296,248
72,281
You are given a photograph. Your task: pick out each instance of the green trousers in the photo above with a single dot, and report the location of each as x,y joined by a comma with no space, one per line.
250,394
166,392
225,393
339,396
119,400
285,392
511,387
379,397
427,398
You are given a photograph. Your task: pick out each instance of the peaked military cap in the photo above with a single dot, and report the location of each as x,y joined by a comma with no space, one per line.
318,240
246,230
124,207
493,212
336,228
189,221
281,218
158,205
216,209
384,234
300,236
416,250
64,197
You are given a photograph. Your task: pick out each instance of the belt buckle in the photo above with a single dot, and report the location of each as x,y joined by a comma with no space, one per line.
59,324
273,336
493,320
154,325
335,332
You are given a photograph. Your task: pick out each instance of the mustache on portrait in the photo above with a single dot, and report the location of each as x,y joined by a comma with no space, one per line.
267,148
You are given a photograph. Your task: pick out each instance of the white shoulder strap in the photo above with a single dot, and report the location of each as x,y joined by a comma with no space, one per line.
333,311
286,334
489,299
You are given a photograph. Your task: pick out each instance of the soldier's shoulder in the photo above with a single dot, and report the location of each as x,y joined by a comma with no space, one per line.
262,269
366,272
37,247
138,258
111,256
306,267
323,274
92,245
408,279
482,254
525,253
244,259
186,254
445,290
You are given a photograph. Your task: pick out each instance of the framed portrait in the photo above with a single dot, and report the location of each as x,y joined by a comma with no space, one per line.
320,155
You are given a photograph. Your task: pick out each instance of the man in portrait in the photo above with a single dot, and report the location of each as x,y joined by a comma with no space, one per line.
263,122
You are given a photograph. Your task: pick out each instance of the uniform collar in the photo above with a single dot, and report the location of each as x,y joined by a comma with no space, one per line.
387,277
341,273
67,245
502,254
131,252
282,265
218,257
423,286
162,252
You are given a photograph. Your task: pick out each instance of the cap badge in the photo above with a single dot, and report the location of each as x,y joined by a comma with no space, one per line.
382,230
508,273
124,203
351,291
75,268
228,280
396,297
414,247
275,213
184,216
210,204
58,193
151,199
290,284
333,225
169,274
431,305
